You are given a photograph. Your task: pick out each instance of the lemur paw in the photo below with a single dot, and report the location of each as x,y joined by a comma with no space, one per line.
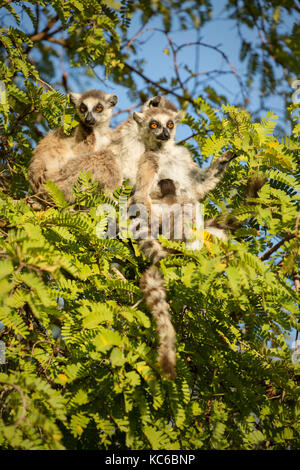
140,199
227,157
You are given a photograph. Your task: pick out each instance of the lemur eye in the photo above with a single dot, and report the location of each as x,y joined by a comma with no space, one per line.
99,108
83,108
153,125
170,124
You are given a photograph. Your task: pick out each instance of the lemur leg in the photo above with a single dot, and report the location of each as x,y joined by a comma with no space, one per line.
102,165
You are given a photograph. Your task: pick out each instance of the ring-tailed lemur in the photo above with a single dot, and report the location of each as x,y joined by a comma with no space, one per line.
127,144
57,150
166,174
115,163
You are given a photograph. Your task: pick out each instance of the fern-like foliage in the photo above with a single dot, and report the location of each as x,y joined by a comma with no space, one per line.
81,369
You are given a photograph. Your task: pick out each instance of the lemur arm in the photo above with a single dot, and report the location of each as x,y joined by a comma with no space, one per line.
206,180
147,169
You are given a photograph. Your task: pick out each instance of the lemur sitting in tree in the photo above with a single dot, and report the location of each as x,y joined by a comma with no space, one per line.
110,155
167,174
60,158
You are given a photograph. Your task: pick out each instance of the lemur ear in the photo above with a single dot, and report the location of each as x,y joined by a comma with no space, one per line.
112,100
154,102
75,98
179,116
138,117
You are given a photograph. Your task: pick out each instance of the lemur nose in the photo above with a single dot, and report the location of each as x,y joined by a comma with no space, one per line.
166,133
89,119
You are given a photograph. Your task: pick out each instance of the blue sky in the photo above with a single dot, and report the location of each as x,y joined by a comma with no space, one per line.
219,32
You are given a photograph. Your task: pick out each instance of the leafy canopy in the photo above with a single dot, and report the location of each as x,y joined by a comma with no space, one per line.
81,367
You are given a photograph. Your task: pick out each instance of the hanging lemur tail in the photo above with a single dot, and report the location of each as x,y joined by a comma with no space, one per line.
152,249
152,284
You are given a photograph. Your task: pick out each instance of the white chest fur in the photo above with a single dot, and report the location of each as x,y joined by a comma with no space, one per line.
174,164
129,158
102,139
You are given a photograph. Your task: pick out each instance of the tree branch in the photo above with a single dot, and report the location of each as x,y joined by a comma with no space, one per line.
157,85
39,36
274,248
24,406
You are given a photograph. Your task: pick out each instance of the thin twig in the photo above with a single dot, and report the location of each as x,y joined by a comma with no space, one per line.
61,42
138,302
142,31
123,278
158,85
274,248
127,110
45,84
19,390
41,35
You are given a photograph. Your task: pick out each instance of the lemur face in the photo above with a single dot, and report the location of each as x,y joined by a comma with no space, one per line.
157,126
94,107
